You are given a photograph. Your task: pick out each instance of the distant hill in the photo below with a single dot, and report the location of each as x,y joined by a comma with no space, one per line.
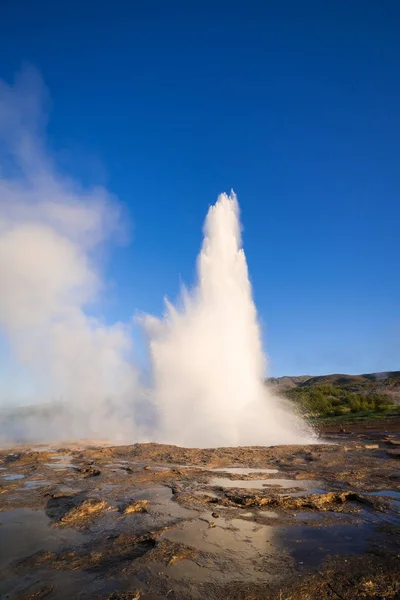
338,394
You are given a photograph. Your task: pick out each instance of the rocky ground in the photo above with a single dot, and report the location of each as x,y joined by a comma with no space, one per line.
150,521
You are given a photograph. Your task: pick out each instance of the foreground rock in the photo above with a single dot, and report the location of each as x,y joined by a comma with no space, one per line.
150,521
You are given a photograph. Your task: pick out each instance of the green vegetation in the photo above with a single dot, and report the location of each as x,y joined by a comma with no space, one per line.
326,400
342,397
356,417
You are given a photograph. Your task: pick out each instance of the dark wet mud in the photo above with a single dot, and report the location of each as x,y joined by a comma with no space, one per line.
150,521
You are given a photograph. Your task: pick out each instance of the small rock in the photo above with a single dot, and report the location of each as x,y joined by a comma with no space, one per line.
89,472
215,515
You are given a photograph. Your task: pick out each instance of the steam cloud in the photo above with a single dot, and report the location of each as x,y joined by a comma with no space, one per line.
207,359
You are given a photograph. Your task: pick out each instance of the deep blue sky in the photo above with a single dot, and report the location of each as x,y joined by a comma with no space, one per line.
294,105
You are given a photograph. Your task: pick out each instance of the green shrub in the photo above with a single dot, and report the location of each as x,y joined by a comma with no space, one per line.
327,400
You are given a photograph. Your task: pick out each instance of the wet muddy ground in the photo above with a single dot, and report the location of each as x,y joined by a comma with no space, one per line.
151,521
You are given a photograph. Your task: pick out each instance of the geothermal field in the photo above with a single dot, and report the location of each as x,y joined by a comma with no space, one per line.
157,521
201,484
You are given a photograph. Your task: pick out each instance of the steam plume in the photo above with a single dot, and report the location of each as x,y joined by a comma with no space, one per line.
207,359
50,232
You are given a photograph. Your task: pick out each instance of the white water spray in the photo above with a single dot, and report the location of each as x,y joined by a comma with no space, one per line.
207,356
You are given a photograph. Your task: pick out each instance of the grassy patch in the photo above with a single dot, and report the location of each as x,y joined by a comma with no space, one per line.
368,415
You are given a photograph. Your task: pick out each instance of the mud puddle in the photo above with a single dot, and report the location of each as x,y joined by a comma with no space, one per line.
162,504
12,477
323,516
309,546
244,549
308,486
109,487
242,470
25,531
60,462
386,493
237,548
34,484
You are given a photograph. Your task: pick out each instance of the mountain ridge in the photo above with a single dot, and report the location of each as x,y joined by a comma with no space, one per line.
383,380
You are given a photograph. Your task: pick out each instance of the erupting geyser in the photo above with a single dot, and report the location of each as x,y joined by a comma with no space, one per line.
208,363
76,373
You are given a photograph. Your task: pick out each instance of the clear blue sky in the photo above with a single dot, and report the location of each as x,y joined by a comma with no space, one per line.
294,105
